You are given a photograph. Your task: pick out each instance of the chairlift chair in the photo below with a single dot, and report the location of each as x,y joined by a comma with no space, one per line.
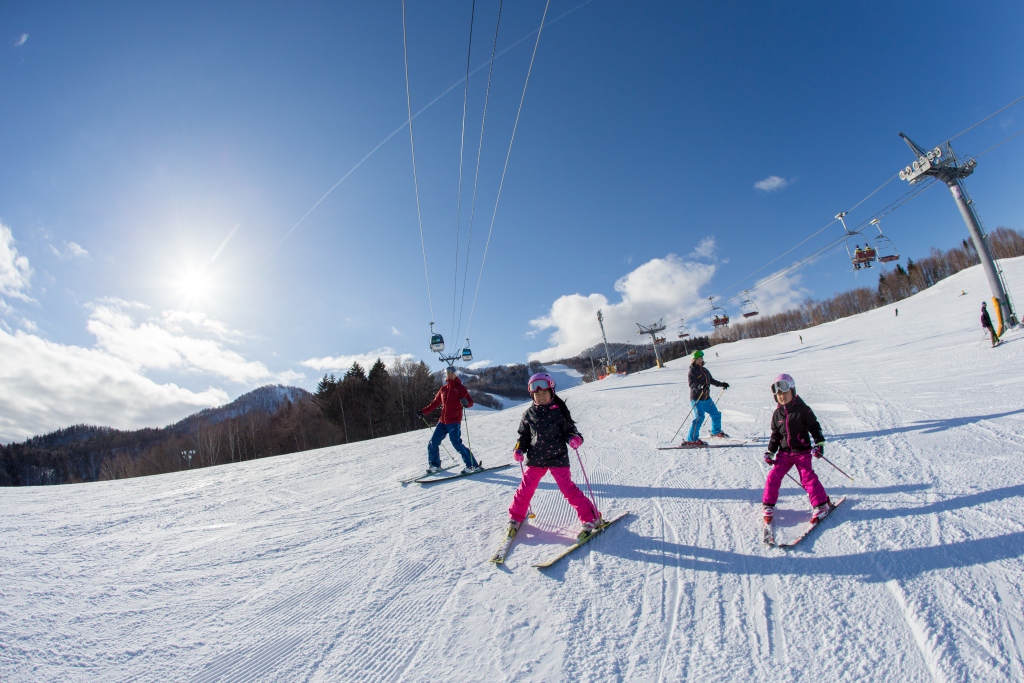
886,250
748,308
682,331
860,258
467,355
718,319
436,340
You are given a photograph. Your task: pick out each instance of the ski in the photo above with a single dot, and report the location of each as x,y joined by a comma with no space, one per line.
555,558
684,446
499,556
768,534
421,475
432,479
811,526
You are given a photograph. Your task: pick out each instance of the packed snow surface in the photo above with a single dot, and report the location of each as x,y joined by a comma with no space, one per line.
320,566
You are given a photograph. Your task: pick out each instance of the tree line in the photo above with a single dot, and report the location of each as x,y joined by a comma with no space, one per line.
892,287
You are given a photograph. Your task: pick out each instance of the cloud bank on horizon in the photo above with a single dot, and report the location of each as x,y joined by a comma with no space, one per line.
46,385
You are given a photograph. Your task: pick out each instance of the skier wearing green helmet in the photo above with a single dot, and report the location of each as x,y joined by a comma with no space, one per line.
700,381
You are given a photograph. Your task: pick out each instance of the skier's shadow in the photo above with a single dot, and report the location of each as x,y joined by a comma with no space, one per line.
927,426
947,505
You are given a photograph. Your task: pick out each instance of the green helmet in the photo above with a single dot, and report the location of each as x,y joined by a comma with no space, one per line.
698,354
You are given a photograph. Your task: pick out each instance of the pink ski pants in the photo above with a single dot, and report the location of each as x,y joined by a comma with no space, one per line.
784,460
531,479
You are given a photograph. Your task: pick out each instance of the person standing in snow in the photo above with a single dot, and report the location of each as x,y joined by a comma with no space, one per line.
986,322
452,398
700,381
544,431
796,439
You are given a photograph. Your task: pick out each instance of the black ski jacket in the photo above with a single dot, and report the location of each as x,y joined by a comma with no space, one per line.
986,321
544,432
700,383
794,428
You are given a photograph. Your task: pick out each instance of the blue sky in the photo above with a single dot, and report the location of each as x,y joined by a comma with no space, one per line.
155,157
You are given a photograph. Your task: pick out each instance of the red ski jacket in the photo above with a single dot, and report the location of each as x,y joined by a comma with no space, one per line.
448,398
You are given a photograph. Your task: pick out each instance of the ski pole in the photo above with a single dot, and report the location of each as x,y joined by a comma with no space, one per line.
530,514
834,465
593,501
450,456
684,422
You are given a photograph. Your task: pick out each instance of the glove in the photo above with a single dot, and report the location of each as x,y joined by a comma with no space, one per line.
818,450
464,402
725,385
575,441
419,413
517,455
769,458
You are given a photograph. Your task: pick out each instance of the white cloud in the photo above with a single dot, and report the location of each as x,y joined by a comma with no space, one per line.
76,249
705,249
661,288
164,343
776,293
45,386
394,331
71,249
15,271
20,40
772,183
343,362
478,365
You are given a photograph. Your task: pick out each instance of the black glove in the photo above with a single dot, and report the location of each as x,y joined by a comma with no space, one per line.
464,402
818,450
419,413
769,458
725,385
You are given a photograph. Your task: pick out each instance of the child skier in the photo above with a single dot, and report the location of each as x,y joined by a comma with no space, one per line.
544,431
794,430
700,381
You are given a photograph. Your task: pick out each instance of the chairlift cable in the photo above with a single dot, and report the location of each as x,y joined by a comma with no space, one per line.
462,149
476,176
398,130
999,143
987,118
504,170
412,146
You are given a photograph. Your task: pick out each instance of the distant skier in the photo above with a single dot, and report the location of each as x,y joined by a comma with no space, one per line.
452,398
544,431
700,381
796,436
986,322
858,256
897,313
801,338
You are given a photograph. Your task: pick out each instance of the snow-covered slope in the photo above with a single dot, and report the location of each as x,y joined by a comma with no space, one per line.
319,566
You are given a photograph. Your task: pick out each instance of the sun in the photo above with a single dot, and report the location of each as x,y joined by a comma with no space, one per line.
194,286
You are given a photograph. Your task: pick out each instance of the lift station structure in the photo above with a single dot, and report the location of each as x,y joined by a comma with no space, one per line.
944,165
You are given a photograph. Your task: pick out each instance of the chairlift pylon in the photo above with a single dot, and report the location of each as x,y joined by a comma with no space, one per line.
859,257
718,319
748,308
436,340
883,245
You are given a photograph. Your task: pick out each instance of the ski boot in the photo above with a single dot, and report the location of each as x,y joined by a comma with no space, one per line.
513,526
472,469
697,443
433,469
589,527
821,511
769,513
720,435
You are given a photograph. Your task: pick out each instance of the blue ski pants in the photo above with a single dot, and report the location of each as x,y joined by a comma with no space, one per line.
699,409
454,434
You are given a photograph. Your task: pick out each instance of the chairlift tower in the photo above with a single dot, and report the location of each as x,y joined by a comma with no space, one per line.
653,330
608,367
945,166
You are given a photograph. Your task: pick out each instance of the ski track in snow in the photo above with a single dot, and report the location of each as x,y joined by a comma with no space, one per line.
319,566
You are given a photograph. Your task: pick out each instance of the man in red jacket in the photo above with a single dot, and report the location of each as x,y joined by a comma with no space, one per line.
452,397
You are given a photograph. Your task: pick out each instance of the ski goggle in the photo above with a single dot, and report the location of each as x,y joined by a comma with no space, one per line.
539,385
782,386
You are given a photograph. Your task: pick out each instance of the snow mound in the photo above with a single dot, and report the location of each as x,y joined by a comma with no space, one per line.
319,566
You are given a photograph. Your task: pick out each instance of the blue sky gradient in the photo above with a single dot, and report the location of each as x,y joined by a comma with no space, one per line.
136,139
